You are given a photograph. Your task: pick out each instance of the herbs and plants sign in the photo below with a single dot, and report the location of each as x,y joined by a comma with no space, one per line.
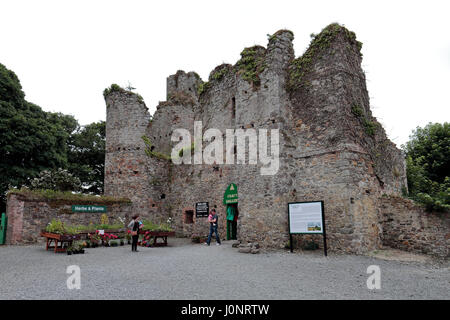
88,208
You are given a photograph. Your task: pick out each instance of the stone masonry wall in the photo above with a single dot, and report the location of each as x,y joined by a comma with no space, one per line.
127,170
408,227
27,217
331,147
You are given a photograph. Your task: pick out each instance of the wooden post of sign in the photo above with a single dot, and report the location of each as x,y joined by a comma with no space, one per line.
324,232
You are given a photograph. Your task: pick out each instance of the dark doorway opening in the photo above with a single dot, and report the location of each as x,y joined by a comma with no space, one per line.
232,218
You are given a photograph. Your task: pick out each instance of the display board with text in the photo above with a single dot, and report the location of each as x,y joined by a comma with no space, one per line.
306,218
201,209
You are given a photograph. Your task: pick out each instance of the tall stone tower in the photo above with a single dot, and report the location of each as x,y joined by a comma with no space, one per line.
126,169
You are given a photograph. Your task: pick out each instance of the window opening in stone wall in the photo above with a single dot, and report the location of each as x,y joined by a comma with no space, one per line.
233,110
189,216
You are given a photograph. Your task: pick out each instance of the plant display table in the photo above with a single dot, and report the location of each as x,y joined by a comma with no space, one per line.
84,234
161,235
58,239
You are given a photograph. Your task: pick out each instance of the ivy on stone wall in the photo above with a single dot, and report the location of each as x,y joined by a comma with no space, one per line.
154,154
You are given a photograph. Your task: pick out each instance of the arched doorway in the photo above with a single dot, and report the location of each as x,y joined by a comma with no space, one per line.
230,199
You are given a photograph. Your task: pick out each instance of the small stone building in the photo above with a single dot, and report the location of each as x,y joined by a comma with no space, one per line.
331,148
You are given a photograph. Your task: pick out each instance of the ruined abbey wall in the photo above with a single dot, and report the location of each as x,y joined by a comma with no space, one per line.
331,147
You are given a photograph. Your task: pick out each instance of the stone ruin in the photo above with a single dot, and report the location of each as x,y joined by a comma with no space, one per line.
331,149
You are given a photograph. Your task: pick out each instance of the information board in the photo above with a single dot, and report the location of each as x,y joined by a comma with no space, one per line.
201,209
305,217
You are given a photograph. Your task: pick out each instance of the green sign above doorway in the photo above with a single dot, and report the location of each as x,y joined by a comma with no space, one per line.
231,194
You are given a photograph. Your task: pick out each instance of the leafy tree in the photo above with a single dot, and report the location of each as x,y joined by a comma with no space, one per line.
58,180
31,140
86,156
428,166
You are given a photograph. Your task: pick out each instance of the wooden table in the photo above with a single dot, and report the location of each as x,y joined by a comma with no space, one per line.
58,239
161,235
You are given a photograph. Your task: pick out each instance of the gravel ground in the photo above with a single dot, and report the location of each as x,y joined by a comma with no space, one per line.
193,271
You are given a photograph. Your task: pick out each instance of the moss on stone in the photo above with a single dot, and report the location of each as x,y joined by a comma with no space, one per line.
357,110
113,88
370,126
220,71
251,64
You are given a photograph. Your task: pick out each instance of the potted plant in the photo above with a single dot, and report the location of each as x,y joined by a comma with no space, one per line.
78,247
69,250
94,239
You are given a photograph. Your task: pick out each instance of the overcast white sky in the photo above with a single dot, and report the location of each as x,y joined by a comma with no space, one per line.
66,52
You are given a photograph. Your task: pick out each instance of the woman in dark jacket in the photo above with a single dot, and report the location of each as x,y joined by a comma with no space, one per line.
134,226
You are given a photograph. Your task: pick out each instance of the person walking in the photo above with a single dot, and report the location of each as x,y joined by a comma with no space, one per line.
213,226
135,227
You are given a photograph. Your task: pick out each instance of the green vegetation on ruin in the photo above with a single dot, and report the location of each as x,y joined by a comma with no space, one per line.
319,43
153,154
203,87
249,67
116,88
65,197
251,64
370,126
357,110
113,88
274,36
217,74
178,98
220,71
